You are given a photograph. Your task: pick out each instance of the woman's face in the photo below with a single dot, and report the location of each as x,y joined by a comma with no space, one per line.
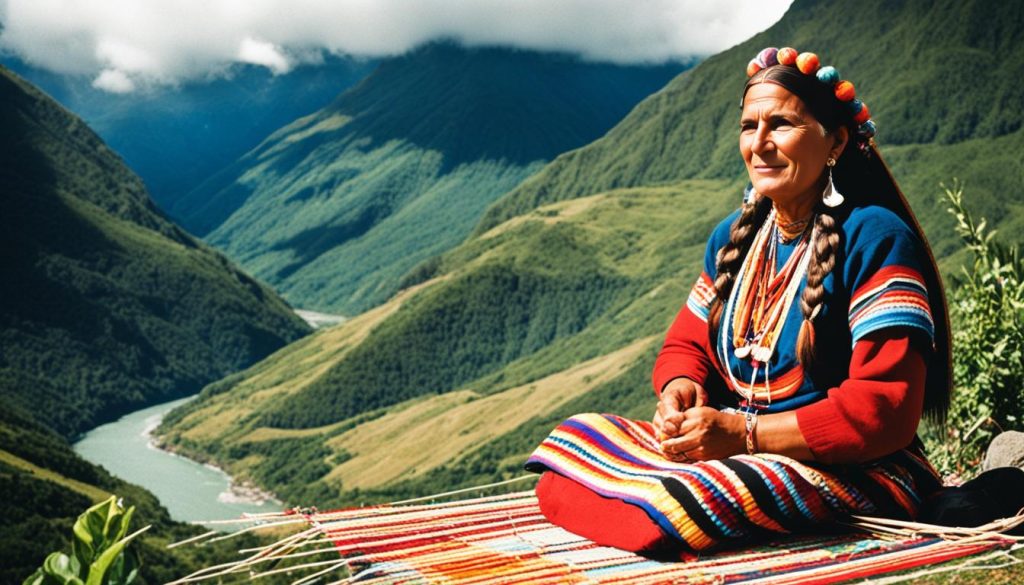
784,146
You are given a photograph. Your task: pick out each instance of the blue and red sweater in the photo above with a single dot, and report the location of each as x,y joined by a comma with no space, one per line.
864,398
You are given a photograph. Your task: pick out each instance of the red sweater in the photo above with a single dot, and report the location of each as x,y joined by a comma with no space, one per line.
874,412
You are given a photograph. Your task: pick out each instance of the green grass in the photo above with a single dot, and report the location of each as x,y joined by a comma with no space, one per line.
502,348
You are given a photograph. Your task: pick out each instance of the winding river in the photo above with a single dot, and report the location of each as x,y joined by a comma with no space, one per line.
191,491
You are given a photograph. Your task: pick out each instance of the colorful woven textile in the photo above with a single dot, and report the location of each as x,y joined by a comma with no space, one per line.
705,504
505,539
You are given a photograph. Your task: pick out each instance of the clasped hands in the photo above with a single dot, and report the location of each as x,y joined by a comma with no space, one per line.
690,431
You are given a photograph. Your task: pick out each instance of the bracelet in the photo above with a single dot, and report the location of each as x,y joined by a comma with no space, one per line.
750,417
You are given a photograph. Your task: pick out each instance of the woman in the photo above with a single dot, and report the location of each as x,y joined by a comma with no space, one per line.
793,379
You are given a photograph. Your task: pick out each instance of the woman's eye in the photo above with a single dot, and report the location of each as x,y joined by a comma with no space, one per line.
782,124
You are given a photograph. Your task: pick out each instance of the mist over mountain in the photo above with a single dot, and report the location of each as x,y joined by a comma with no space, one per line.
334,208
174,137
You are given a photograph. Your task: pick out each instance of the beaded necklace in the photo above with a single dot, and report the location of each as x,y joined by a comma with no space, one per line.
790,230
760,300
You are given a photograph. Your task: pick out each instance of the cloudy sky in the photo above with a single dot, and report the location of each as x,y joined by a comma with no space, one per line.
126,44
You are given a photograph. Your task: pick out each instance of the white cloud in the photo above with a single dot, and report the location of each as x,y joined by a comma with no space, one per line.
113,81
125,43
263,53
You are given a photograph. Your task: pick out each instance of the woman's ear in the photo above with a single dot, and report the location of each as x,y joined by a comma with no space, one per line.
842,135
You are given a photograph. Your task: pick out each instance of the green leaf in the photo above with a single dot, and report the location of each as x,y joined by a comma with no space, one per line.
98,569
59,568
89,531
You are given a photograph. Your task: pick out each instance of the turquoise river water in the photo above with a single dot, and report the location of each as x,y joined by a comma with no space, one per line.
191,491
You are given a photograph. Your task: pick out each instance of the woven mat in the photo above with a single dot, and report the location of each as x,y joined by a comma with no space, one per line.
505,539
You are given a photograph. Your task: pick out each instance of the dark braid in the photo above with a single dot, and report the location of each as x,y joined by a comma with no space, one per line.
730,256
823,259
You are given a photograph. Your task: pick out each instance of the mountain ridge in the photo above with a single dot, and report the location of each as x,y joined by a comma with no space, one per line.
174,137
400,166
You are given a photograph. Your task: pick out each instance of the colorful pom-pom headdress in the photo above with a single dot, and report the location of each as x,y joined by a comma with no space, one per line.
844,91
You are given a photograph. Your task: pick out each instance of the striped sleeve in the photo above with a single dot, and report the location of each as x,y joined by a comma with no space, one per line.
701,296
888,289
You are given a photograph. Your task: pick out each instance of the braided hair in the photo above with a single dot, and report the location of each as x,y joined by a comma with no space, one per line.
730,256
823,260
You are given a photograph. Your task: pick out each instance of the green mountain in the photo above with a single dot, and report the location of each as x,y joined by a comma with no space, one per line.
933,73
558,301
334,208
176,137
105,305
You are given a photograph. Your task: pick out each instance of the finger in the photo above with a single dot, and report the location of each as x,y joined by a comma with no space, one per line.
671,423
687,427
678,445
678,457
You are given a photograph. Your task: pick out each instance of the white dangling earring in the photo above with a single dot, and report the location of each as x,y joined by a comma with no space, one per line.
831,196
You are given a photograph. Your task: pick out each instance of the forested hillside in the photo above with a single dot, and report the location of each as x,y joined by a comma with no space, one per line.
105,306
332,209
557,302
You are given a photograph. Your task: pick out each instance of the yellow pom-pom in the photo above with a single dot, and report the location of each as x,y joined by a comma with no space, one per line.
845,91
787,56
807,63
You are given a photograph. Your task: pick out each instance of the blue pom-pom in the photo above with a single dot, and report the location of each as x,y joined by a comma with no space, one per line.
828,74
855,106
867,129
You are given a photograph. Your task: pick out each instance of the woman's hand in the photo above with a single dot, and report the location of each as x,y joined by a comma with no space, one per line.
705,434
676,397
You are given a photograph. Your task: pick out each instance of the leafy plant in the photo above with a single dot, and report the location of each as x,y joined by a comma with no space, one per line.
988,342
100,554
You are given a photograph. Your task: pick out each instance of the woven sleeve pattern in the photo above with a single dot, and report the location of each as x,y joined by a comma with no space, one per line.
888,289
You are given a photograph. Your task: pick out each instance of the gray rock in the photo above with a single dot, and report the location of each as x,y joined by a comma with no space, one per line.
1006,450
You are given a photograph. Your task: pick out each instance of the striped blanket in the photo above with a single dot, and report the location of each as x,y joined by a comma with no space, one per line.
705,504
505,540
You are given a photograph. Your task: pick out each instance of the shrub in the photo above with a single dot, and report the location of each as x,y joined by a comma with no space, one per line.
987,311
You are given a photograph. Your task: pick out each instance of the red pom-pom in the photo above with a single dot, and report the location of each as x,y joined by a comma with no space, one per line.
863,115
786,55
845,91
753,67
807,63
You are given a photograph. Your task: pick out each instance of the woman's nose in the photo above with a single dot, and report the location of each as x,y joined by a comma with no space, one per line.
762,139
